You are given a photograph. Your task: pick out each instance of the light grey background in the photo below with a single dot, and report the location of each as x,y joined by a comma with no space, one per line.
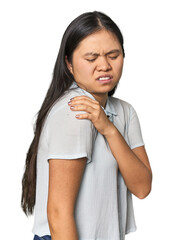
31,32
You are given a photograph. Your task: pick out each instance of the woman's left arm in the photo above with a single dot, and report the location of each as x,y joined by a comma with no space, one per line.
133,164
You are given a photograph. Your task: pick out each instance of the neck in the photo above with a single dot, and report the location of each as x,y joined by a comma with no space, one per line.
101,98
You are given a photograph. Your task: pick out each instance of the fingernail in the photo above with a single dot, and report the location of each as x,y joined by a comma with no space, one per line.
71,98
69,102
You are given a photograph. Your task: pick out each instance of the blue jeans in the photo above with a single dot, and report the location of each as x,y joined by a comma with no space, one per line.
46,237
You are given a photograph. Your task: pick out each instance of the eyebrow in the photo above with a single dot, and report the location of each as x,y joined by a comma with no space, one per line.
97,54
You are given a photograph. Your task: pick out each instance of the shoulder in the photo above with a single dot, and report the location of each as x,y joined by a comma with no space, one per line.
121,106
125,111
61,115
61,104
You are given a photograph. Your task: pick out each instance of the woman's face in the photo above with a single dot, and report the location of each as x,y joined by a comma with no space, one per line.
97,63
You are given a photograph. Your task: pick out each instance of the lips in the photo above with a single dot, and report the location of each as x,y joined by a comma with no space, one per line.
104,77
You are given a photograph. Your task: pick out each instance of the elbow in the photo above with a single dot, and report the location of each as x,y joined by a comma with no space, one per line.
52,214
56,216
59,221
144,194
52,217
144,191
55,222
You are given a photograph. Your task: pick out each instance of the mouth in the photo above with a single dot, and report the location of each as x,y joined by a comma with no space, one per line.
105,78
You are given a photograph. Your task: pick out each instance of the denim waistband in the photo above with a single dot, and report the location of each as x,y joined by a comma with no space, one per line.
46,237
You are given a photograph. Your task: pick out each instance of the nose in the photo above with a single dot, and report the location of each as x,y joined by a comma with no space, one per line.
103,64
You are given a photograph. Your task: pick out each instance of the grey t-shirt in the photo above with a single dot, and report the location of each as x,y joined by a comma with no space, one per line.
104,207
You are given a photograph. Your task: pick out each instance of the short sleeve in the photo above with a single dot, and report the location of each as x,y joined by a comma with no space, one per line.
69,137
134,130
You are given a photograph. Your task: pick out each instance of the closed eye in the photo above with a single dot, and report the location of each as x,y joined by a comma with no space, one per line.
114,57
91,60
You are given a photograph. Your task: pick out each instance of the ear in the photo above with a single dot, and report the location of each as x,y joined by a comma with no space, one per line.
69,65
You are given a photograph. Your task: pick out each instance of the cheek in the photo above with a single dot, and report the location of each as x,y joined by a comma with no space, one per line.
119,65
82,68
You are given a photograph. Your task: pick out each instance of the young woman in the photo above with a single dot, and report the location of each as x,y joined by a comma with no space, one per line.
87,157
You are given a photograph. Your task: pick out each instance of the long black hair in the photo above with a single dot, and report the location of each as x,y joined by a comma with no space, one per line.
79,28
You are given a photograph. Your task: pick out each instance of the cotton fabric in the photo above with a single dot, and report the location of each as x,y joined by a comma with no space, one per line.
104,206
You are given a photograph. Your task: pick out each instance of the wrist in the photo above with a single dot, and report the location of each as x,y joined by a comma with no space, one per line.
110,131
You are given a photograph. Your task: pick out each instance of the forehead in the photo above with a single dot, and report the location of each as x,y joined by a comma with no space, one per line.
100,41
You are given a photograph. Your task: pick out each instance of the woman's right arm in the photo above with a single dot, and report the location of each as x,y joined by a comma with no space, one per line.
65,177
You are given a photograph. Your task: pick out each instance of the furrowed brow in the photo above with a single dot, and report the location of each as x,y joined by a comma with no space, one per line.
97,54
113,51
91,54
